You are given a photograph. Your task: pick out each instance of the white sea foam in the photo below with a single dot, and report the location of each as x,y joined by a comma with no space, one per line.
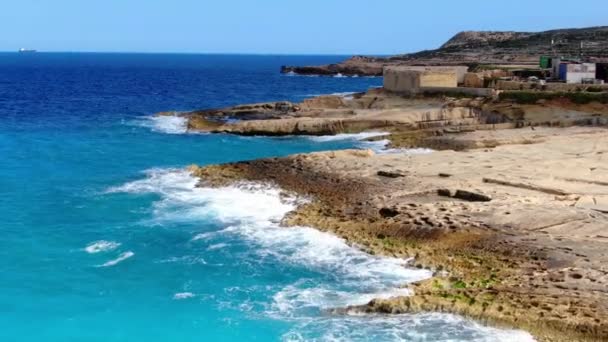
339,75
169,124
160,181
348,136
378,146
251,213
405,151
183,201
183,295
217,246
121,257
292,74
186,260
421,327
346,94
294,299
349,95
101,246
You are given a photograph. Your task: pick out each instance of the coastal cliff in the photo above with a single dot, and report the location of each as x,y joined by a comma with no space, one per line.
515,234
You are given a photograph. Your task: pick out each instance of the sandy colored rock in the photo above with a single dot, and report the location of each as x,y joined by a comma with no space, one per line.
528,258
414,121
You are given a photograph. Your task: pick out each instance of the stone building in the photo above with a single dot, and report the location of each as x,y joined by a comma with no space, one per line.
411,79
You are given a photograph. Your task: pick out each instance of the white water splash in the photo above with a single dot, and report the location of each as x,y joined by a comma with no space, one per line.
168,124
183,295
429,327
122,257
251,213
101,246
347,136
405,151
378,146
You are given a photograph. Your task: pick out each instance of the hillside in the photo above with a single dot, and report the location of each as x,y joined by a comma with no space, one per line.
483,47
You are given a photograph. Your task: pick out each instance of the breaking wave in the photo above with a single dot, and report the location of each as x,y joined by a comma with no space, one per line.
420,327
348,136
183,295
378,146
101,246
122,257
168,124
251,213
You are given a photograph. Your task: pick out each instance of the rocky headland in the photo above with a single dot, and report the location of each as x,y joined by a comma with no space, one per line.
479,47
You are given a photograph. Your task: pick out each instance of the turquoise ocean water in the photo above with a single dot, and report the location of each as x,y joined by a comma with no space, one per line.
104,237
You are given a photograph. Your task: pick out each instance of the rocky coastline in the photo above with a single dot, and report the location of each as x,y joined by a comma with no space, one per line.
510,212
515,234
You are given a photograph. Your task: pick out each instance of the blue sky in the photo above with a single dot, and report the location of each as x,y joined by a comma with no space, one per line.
273,26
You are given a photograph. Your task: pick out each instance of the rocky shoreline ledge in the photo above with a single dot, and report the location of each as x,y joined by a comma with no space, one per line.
515,233
428,120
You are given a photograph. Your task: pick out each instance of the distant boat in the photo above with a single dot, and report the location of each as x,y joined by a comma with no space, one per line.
22,50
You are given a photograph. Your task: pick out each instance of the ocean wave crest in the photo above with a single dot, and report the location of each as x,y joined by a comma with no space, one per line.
122,257
101,246
168,124
251,213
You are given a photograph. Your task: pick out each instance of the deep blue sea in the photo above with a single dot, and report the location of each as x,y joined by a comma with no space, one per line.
104,236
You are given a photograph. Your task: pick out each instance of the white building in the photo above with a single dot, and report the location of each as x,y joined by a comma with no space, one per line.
576,72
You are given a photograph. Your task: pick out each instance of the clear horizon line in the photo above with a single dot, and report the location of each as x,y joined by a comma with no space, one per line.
210,53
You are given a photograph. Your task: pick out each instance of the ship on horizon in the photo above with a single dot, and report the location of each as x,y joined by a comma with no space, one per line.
24,50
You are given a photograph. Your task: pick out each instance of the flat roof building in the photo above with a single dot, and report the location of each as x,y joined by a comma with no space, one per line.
411,79
577,72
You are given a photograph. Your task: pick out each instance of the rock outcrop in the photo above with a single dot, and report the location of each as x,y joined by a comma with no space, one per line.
422,121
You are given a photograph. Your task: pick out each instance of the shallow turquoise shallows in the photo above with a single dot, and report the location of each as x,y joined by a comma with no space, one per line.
104,236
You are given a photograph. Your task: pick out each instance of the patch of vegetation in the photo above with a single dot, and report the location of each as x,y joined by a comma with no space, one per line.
458,297
459,284
437,285
531,97
593,89
391,242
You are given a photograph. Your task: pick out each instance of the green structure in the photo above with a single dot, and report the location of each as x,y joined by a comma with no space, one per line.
545,62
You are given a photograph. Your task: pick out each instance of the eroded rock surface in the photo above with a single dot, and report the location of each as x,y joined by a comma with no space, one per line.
528,258
414,121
